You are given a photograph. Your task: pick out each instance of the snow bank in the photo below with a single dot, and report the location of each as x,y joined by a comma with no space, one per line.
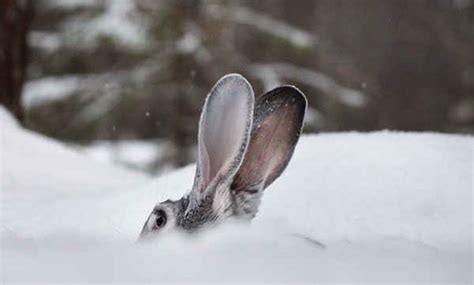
354,186
35,168
388,207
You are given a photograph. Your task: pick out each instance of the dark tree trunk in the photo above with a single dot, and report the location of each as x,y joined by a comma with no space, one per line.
15,17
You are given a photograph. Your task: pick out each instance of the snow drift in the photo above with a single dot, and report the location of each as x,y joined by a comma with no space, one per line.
351,207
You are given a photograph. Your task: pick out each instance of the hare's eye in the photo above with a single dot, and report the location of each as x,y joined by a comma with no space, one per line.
160,218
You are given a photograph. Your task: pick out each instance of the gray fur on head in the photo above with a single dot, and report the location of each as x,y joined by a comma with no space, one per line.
242,150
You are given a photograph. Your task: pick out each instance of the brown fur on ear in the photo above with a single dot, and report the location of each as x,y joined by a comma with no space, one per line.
278,122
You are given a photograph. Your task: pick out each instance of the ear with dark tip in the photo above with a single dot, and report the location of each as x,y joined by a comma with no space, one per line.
278,122
224,131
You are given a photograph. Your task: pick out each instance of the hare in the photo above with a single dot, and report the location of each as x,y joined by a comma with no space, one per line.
243,146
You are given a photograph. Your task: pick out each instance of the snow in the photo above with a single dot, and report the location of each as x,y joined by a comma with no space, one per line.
387,207
189,43
131,153
280,29
48,41
70,4
35,168
275,71
121,21
48,89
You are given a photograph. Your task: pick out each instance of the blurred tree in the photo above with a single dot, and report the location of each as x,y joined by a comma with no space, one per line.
15,17
415,57
121,70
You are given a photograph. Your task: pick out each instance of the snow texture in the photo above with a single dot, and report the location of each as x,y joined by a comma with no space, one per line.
36,169
378,207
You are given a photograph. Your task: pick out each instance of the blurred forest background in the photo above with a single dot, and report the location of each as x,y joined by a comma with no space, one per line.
124,80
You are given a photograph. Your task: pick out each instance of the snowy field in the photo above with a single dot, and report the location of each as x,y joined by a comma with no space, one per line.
379,207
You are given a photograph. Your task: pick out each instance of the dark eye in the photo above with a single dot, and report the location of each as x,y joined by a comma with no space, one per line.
160,218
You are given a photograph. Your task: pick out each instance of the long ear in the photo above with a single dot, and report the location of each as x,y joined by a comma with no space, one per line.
278,122
224,131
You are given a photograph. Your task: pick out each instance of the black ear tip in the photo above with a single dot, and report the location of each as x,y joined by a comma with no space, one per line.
295,92
290,95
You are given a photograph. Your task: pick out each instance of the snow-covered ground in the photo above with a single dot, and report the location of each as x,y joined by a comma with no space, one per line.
388,207
135,154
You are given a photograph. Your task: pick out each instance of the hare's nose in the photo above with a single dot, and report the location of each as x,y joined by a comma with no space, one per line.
146,231
145,235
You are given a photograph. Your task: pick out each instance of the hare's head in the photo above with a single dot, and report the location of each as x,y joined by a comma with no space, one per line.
243,147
